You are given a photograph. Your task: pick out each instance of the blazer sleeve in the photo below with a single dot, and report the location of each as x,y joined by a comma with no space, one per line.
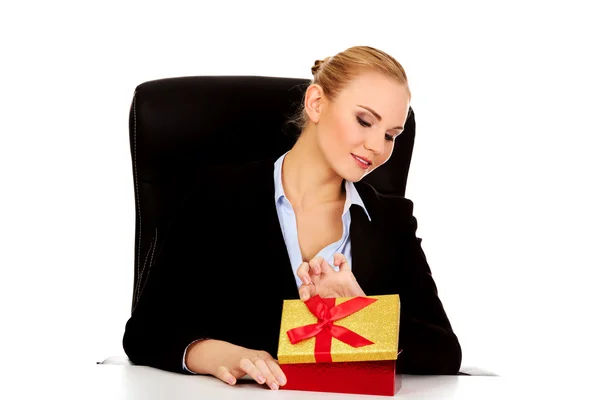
429,344
165,319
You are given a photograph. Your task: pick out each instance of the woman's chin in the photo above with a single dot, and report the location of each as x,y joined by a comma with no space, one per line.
351,173
355,176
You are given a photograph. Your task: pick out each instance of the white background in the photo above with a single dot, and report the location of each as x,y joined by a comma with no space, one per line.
504,174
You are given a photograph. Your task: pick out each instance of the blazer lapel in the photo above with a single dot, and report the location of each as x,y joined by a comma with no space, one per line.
278,262
280,258
361,241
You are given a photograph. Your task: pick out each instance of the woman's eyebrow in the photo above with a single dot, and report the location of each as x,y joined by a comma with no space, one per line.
377,115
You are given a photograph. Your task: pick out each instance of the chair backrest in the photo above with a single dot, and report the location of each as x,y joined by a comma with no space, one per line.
178,125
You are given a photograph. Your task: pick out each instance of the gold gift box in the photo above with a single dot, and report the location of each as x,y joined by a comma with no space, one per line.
378,322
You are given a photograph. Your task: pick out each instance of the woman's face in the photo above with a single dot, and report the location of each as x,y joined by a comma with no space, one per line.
356,131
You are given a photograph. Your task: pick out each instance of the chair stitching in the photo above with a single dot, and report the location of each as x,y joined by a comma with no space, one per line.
137,289
149,265
137,195
153,248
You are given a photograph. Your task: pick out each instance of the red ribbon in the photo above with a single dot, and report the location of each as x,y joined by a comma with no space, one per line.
327,312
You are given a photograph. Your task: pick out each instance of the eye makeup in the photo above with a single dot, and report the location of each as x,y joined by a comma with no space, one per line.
362,122
366,124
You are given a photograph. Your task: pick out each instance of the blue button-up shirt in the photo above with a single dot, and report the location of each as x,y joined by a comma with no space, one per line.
287,221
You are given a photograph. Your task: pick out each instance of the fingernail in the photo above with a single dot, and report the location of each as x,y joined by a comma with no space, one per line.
304,296
261,379
231,381
274,386
281,380
306,280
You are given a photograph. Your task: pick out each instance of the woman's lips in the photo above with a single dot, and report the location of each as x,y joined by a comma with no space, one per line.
364,163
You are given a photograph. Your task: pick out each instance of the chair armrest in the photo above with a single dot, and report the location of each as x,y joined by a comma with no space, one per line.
475,371
116,360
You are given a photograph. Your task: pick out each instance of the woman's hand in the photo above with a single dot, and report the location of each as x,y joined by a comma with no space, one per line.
229,362
320,278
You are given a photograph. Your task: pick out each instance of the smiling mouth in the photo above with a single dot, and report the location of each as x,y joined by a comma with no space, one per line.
362,162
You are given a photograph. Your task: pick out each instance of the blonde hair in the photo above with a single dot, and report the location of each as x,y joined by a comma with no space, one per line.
334,73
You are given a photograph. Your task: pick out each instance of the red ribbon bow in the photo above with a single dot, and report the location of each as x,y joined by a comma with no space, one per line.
327,312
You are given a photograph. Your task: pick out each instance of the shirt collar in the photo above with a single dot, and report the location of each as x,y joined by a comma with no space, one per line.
278,181
352,196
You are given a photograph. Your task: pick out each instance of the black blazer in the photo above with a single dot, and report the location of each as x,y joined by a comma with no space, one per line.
222,271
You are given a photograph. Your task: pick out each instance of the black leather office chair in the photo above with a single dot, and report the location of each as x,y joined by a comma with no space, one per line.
178,126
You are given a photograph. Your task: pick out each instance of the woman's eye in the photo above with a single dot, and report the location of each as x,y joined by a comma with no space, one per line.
389,137
362,122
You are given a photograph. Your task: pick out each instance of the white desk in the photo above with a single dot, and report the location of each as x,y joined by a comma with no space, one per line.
143,383
113,382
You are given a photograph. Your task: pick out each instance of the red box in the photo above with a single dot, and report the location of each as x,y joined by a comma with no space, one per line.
344,345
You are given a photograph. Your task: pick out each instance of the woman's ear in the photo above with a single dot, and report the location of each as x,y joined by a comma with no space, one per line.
313,102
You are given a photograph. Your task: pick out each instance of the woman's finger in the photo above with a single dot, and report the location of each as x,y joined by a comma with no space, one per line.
318,265
266,372
304,273
226,376
307,291
339,260
248,367
276,371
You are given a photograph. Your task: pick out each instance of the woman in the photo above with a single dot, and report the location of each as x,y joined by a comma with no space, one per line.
293,227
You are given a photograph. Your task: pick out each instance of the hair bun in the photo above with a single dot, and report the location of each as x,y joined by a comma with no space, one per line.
315,68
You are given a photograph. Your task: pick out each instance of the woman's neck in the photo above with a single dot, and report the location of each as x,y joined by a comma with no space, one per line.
307,178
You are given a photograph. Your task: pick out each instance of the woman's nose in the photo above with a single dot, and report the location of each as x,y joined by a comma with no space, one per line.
375,143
